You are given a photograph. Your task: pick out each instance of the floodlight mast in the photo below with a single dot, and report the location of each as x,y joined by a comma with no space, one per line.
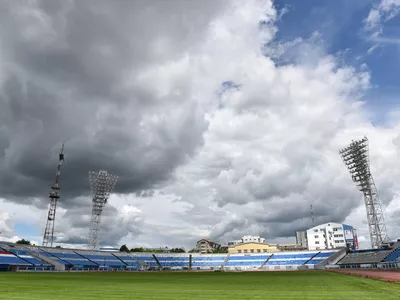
356,158
54,196
101,184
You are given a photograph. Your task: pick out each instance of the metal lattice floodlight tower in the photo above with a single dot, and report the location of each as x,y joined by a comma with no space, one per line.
101,184
54,196
356,158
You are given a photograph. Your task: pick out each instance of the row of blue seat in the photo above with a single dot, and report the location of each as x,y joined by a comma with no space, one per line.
394,256
84,259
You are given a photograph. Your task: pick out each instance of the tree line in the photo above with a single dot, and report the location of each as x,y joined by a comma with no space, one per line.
124,248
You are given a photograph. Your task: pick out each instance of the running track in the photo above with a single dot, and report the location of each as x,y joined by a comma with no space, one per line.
377,274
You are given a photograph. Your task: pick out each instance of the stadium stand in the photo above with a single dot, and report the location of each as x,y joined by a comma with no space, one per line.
208,261
8,258
320,257
394,256
69,258
24,255
130,261
291,258
364,257
104,260
174,261
247,261
145,260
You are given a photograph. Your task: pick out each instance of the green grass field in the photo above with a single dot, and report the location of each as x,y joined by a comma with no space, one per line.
261,285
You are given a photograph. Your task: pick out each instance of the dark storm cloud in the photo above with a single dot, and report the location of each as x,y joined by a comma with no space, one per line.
64,65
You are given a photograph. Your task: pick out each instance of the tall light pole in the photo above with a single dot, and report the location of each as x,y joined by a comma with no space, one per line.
356,158
101,184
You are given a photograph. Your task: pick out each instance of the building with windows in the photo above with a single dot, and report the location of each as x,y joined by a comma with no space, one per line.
205,246
252,247
247,239
301,238
331,236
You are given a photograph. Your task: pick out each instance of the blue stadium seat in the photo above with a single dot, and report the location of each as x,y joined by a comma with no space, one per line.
27,257
7,258
394,256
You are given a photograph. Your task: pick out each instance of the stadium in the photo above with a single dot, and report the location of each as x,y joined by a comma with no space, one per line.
207,271
205,119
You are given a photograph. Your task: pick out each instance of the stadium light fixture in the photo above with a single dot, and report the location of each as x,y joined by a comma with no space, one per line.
101,184
356,158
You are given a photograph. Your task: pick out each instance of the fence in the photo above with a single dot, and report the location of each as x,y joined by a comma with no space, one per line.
379,266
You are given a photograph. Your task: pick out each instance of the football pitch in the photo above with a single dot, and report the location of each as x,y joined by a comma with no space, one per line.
195,285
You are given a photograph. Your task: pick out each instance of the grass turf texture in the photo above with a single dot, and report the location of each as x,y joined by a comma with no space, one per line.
261,285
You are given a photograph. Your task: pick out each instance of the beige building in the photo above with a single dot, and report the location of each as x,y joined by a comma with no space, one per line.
205,246
252,247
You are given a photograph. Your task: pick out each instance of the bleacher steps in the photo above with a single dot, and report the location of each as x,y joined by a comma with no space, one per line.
311,258
119,259
266,261
332,260
225,261
87,258
56,264
22,258
388,254
156,259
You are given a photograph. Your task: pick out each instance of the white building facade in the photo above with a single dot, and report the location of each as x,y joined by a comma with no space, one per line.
331,236
247,239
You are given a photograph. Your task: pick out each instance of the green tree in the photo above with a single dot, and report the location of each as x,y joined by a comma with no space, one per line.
137,249
124,248
23,242
178,250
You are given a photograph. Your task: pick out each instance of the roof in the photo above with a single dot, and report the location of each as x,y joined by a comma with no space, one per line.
257,243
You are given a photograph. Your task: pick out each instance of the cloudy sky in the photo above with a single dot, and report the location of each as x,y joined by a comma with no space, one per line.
222,118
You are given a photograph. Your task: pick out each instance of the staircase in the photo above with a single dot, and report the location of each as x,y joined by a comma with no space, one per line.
87,258
156,259
224,263
332,260
126,264
265,262
311,258
58,266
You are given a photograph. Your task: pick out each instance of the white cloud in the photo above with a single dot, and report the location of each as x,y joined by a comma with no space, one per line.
5,228
383,11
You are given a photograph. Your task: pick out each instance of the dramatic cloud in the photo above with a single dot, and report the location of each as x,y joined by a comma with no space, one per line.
215,128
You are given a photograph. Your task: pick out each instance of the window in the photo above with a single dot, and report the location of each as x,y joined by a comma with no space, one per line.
316,236
239,251
317,248
316,242
245,250
251,250
315,230
265,250
258,250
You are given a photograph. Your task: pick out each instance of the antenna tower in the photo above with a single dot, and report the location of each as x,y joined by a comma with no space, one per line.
54,196
101,184
356,158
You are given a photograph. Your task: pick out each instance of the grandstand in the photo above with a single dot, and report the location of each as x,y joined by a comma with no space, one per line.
23,257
